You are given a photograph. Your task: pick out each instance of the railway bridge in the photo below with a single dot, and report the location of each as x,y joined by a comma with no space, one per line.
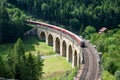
67,44
64,44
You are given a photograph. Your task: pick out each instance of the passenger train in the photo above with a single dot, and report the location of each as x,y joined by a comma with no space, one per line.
79,40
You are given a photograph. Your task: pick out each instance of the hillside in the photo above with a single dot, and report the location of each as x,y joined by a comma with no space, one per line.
84,17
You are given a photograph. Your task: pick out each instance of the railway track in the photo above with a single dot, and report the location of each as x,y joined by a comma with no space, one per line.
95,67
85,69
90,67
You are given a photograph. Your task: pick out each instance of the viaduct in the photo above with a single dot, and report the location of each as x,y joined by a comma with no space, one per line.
65,43
62,43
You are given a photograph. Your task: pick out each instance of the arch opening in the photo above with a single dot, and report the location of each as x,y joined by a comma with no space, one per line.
57,45
70,53
75,58
64,49
50,40
42,36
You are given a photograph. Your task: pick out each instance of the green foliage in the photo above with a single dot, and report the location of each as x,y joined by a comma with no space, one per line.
7,65
89,30
28,71
70,74
31,67
74,23
108,43
27,67
11,62
45,9
39,66
19,48
97,13
117,75
17,65
111,67
4,20
94,38
19,53
107,76
3,68
12,23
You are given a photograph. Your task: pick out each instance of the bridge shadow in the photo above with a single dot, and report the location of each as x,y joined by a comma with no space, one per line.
29,43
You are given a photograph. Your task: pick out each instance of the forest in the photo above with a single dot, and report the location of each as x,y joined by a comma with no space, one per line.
75,14
83,17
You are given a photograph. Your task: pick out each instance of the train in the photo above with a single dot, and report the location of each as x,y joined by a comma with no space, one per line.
79,40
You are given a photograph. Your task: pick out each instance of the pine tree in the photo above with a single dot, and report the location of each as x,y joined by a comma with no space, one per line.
19,52
23,66
11,62
2,67
19,48
31,67
39,66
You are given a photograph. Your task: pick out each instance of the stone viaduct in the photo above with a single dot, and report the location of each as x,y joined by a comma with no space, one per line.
62,43
69,45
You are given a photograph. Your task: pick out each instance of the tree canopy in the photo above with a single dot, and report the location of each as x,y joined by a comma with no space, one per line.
108,43
97,13
17,65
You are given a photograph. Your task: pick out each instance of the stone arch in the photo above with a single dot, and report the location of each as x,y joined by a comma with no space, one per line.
50,40
57,45
64,48
42,36
70,53
75,58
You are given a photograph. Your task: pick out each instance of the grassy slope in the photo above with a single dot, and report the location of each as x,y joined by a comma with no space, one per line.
33,45
55,66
